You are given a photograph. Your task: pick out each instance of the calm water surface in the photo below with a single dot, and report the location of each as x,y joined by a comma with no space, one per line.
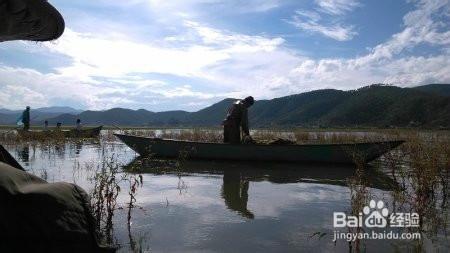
221,207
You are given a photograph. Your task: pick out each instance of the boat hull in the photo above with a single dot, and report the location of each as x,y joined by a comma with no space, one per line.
324,153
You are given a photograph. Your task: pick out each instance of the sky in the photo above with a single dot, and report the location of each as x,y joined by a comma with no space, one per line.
188,54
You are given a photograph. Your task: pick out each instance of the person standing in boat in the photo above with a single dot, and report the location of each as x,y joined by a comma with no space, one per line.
78,125
237,118
26,119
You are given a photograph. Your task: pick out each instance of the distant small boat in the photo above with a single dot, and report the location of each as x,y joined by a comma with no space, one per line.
324,153
73,133
83,133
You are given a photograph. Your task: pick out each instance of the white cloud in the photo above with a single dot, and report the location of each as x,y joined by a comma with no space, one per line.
110,71
332,26
382,63
186,6
22,86
103,67
419,70
96,56
337,7
207,55
419,28
232,42
336,31
184,91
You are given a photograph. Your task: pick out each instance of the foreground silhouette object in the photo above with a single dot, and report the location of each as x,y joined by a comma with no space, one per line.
38,216
34,20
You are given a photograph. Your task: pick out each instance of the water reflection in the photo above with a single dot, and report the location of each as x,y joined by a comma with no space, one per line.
78,147
60,151
238,175
273,172
24,154
235,193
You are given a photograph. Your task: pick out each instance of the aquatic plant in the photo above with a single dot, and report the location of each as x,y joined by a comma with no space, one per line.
106,189
359,197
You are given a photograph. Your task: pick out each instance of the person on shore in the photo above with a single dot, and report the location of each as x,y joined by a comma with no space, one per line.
46,126
26,119
58,126
78,125
237,118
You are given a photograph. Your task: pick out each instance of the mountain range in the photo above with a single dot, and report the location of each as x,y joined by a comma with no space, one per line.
376,105
9,117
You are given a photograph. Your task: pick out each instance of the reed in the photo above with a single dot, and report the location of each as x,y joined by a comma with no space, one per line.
107,179
421,167
359,197
106,189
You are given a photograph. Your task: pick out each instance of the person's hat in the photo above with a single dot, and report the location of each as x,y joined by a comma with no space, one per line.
35,20
249,100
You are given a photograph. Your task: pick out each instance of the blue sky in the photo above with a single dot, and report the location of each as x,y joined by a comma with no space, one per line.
187,54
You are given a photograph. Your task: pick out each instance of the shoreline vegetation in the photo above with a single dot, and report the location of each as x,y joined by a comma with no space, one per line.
261,136
219,127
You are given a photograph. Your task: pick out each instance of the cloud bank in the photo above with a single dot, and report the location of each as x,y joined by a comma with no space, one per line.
192,63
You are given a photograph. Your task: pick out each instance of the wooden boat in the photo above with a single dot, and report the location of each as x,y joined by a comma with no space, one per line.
324,153
83,133
73,133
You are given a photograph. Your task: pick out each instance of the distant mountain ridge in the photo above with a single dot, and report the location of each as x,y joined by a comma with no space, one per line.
51,109
375,105
437,88
9,117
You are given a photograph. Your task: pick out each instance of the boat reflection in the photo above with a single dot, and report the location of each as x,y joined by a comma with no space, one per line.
237,175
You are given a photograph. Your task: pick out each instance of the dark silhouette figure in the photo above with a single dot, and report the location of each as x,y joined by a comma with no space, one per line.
46,125
237,118
78,125
26,119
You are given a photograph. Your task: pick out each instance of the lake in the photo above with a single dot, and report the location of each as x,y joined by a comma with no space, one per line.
192,206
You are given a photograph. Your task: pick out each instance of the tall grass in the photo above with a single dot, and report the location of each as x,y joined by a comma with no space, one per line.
266,136
107,179
423,169
106,189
